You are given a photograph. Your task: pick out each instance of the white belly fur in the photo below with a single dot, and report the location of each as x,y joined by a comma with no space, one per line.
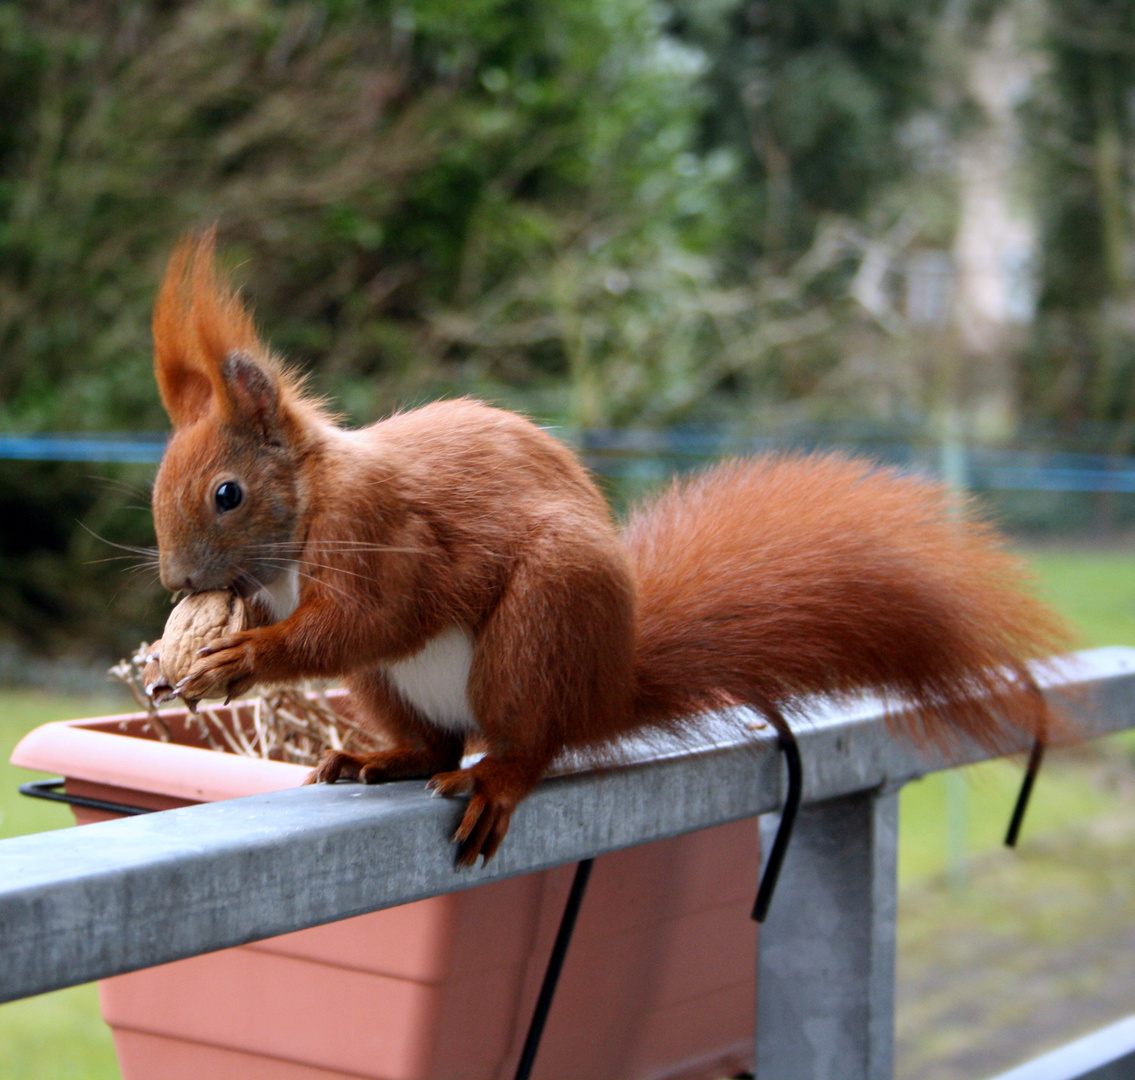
435,679
282,597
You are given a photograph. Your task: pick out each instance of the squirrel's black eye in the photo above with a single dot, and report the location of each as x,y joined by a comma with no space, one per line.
228,496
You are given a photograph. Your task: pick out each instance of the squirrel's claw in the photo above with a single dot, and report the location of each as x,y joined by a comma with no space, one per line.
486,818
191,700
221,644
160,692
223,670
156,685
335,764
481,830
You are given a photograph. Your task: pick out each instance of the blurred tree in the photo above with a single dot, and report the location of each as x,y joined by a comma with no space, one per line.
580,206
403,180
816,134
388,171
844,118
1081,367
600,210
816,98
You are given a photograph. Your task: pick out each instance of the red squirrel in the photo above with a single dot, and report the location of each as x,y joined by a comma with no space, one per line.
459,569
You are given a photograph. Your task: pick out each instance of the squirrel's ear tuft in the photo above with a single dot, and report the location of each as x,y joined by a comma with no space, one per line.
199,321
183,381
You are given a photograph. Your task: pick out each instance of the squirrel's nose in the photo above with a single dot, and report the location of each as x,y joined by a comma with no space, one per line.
175,579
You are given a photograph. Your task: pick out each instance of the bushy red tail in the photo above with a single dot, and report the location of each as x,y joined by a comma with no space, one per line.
767,580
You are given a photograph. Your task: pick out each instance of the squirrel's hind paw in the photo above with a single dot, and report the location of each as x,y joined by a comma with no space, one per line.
494,788
481,830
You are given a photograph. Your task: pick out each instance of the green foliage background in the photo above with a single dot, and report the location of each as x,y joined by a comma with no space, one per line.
601,212
1081,363
573,206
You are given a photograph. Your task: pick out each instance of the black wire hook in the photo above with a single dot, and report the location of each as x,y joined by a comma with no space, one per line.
1036,756
791,749
552,973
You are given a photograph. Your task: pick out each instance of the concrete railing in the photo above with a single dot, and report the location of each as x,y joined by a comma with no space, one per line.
77,905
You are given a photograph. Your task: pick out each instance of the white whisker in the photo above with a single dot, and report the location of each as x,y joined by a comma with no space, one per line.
289,565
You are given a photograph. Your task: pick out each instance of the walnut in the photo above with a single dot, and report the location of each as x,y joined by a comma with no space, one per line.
199,619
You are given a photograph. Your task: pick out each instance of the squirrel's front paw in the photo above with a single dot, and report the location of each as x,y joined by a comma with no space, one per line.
224,670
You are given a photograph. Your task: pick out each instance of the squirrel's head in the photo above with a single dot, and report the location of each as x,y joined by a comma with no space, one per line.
228,498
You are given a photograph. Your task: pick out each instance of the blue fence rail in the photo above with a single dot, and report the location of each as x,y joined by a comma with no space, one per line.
110,449
644,453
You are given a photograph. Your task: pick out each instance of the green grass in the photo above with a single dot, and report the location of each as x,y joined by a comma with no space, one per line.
1096,592
60,1036
1094,589
20,712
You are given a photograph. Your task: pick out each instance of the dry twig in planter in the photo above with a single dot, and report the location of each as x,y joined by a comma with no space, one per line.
286,723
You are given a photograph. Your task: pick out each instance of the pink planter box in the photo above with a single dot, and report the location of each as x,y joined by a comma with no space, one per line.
659,981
